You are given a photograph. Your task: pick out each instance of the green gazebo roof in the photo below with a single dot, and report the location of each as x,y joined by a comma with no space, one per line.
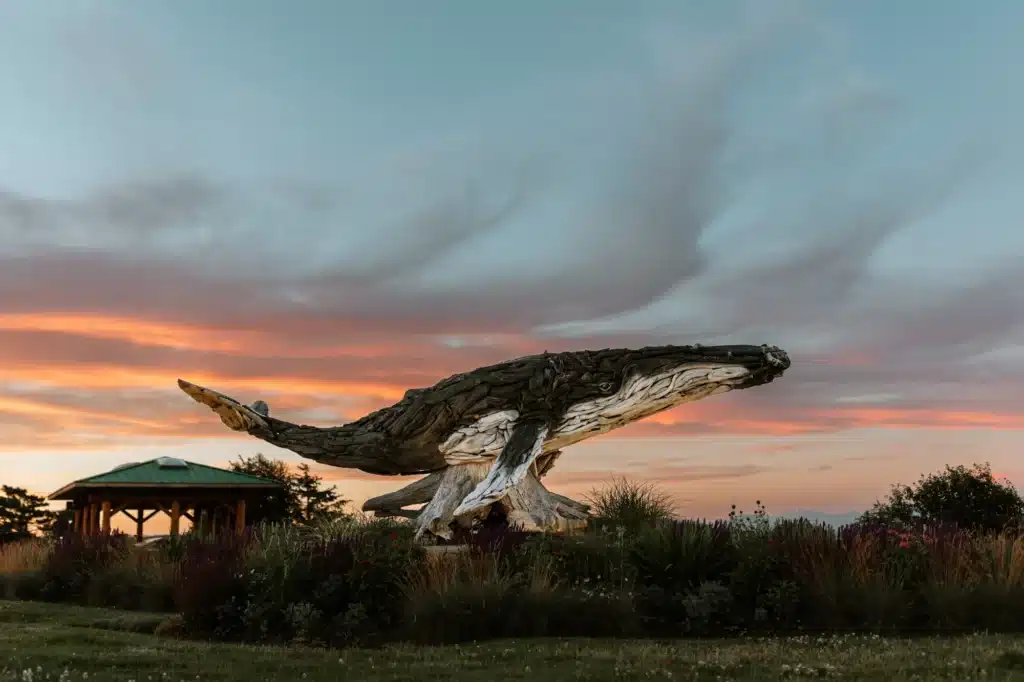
165,472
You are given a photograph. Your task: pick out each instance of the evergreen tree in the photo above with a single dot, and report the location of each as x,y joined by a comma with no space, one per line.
316,502
303,499
23,514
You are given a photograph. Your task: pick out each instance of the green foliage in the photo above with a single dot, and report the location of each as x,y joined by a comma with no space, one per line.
756,571
629,505
337,580
589,561
476,611
22,514
317,504
104,571
304,499
968,497
276,507
284,584
682,555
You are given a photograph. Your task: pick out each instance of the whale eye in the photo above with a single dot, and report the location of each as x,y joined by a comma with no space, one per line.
605,386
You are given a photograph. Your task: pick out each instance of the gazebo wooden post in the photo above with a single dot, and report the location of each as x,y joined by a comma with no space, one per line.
139,522
94,519
76,526
240,517
175,517
105,518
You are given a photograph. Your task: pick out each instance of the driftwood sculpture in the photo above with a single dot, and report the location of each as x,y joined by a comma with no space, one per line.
486,438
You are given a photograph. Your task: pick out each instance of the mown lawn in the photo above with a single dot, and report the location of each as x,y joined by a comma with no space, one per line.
41,641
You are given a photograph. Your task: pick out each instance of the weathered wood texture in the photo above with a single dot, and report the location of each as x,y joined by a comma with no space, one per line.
491,434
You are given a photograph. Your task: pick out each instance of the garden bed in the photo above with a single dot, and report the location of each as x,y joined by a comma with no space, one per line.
370,583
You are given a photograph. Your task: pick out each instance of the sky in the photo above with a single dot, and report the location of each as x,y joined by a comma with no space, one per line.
323,203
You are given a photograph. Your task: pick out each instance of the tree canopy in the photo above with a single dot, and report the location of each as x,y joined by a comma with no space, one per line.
968,497
23,514
305,499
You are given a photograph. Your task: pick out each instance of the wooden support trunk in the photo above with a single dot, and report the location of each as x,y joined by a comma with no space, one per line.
175,518
106,514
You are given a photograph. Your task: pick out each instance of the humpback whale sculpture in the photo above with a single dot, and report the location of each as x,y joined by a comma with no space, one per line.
485,438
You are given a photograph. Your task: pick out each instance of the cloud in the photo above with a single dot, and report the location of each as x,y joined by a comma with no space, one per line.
130,214
633,236
665,475
664,209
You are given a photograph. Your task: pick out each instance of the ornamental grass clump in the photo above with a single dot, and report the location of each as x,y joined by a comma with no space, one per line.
21,566
630,505
25,556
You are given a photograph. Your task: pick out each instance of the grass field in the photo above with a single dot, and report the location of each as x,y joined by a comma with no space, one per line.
41,641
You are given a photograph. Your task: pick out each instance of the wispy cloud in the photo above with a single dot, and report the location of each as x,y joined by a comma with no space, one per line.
661,204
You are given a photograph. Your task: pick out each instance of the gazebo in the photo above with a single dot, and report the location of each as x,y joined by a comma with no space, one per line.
209,497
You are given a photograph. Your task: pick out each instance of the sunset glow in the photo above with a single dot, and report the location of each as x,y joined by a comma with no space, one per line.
324,209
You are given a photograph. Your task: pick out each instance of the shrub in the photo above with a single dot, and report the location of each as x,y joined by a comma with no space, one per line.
514,586
755,576
363,581
138,580
681,555
969,497
590,560
73,563
703,610
630,505
288,584
497,608
211,591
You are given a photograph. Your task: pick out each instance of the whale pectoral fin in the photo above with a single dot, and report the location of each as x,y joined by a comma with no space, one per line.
235,415
511,466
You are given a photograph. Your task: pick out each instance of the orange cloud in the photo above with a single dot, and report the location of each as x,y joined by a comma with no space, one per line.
113,377
936,419
114,409
796,421
179,336
142,332
34,408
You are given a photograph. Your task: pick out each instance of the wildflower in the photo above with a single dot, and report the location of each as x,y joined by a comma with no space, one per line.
904,544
